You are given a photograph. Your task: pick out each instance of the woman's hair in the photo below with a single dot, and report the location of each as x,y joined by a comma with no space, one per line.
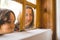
31,24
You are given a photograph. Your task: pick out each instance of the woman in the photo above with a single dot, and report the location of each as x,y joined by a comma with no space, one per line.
29,19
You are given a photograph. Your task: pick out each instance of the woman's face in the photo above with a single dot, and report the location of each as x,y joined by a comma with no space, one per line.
28,17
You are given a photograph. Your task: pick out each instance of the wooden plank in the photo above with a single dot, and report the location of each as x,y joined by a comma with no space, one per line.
31,4
22,19
54,19
38,14
27,3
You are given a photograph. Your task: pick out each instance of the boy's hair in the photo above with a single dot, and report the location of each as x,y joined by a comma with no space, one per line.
5,16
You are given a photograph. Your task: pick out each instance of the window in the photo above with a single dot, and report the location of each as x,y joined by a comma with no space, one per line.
39,16
12,5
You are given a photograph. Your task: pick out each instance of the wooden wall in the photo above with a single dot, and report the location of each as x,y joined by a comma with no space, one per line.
49,16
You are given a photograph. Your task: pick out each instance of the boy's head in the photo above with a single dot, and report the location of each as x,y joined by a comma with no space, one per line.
5,16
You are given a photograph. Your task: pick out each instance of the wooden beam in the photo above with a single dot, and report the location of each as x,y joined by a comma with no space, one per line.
54,19
27,3
31,4
20,1
38,14
22,19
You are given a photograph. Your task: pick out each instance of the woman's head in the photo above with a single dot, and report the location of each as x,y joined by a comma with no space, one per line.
29,16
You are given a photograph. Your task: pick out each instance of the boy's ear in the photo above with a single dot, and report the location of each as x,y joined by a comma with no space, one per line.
12,17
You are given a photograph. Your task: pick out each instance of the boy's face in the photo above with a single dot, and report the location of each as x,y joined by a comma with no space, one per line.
28,17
